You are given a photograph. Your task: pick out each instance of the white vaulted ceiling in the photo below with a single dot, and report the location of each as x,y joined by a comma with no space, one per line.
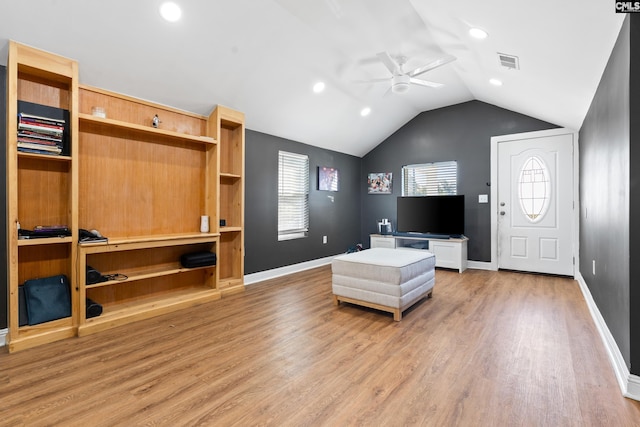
264,56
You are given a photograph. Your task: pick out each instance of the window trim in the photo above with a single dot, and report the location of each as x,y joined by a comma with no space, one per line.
298,195
431,187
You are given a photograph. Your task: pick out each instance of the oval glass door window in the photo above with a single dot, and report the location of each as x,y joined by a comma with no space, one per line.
534,189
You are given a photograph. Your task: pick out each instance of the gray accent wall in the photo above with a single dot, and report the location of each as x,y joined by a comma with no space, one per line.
610,195
3,196
332,214
634,192
460,132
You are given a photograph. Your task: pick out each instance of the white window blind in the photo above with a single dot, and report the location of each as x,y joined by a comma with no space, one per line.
293,195
430,179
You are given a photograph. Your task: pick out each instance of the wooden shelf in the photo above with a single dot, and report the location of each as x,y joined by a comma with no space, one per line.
230,175
142,242
44,241
122,313
230,229
165,237
44,156
149,274
146,130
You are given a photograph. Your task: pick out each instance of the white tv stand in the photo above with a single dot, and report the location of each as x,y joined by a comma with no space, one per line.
450,253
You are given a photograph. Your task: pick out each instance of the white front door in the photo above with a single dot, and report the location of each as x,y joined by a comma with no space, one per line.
535,203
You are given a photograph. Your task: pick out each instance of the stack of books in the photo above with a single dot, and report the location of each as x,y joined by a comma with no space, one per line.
41,135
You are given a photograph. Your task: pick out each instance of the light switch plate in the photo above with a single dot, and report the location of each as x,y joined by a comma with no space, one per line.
483,198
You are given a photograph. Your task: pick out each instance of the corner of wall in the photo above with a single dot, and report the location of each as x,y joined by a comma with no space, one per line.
629,384
250,279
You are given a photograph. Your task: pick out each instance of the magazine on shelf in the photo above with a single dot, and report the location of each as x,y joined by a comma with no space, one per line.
41,147
43,129
39,119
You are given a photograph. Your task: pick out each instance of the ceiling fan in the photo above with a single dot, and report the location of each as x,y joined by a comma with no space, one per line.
400,79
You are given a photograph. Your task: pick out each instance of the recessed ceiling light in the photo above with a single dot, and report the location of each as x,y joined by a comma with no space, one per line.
495,82
318,87
478,33
170,11
365,112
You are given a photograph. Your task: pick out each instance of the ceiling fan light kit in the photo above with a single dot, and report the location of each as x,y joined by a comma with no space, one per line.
400,83
401,80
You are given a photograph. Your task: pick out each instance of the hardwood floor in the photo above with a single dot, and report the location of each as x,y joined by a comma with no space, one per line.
489,349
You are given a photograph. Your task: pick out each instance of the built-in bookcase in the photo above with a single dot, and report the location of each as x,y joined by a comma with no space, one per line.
227,126
145,188
142,186
42,189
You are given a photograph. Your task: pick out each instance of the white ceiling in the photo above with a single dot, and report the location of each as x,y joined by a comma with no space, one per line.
263,57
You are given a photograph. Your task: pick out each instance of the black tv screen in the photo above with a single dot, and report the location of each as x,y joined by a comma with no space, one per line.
437,215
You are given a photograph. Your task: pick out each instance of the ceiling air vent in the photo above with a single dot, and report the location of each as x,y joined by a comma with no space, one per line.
509,61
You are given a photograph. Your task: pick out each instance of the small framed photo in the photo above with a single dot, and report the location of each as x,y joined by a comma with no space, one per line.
327,178
379,183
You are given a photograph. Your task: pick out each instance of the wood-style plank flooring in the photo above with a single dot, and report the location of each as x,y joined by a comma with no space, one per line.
489,349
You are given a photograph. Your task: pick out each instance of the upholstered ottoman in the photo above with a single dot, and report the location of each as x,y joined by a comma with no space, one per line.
385,279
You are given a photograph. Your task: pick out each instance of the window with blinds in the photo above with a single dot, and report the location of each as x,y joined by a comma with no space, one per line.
430,179
293,195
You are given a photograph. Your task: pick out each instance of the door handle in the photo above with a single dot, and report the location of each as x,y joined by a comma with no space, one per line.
502,213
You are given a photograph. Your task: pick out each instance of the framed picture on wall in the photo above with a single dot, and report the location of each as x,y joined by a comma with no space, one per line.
379,183
327,178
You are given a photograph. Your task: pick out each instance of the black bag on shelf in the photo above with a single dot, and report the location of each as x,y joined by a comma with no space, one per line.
23,317
198,259
94,276
47,299
93,309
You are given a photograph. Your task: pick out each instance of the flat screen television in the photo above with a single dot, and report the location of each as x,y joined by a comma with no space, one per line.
433,215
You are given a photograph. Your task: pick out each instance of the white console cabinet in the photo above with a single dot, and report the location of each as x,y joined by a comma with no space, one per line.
450,253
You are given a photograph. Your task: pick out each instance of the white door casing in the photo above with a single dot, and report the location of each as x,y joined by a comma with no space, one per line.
534,199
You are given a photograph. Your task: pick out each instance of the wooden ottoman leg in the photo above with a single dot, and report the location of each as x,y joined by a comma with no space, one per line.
397,315
336,301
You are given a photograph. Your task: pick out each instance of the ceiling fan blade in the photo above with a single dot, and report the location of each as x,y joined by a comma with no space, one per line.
425,83
389,62
435,64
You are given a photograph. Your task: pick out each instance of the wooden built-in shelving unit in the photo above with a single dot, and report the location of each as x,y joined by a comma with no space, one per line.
41,189
152,282
227,127
143,187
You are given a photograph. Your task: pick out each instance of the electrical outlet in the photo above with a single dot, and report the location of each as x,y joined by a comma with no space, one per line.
483,198
324,240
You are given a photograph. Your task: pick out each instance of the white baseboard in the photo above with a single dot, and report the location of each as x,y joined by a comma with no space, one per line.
633,388
3,337
250,279
480,265
629,383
